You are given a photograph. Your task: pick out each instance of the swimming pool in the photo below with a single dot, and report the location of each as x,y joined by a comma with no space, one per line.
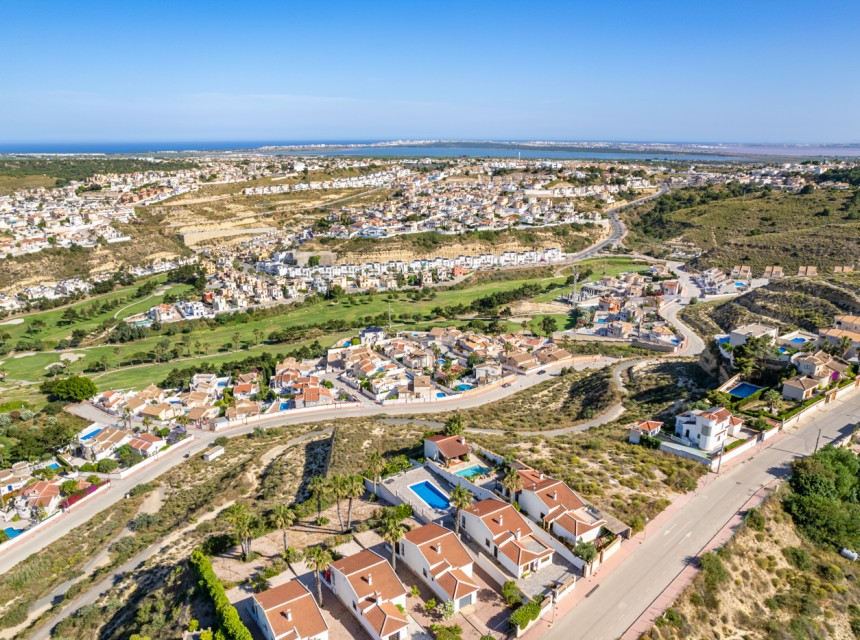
53,465
740,284
284,406
440,394
474,470
798,340
13,532
431,496
92,434
463,387
743,390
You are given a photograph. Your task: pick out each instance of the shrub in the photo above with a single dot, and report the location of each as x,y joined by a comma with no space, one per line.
193,625
446,609
107,465
755,519
430,605
229,623
526,614
713,570
831,572
798,558
511,593
442,632
322,521
586,551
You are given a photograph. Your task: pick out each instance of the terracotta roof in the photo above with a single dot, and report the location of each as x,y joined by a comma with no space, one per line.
451,446
439,545
370,575
291,611
457,584
385,618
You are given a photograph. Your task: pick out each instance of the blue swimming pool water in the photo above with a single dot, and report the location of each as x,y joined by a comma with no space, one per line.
431,495
53,465
13,532
440,394
743,390
474,470
798,340
723,340
284,406
601,320
463,387
92,434
740,284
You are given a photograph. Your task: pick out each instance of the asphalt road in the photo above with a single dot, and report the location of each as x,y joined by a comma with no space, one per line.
630,589
62,524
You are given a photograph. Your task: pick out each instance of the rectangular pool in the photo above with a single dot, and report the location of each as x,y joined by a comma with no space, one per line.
431,496
474,470
743,390
92,434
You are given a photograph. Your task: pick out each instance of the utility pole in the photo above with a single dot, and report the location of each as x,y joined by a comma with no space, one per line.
720,461
575,301
817,441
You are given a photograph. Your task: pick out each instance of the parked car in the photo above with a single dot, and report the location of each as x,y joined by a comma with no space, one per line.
506,385
541,372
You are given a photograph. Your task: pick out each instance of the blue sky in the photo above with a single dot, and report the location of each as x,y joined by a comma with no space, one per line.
763,71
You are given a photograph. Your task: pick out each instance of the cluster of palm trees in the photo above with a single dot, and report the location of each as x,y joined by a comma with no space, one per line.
346,487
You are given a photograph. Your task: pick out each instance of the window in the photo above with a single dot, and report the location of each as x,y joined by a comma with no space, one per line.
487,542
425,572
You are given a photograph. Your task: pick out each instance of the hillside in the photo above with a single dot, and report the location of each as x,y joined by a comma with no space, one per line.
150,240
762,228
790,303
571,238
780,577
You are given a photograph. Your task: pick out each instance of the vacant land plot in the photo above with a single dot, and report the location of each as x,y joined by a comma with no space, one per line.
821,228
555,403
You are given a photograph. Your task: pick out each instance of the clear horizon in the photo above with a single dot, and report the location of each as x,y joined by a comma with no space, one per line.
740,73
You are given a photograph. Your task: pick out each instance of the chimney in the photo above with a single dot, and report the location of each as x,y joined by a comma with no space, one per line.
555,495
500,519
541,476
518,534
439,547
370,579
288,614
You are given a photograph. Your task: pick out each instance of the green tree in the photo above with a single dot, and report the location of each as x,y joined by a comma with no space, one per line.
455,425
548,325
375,467
513,482
283,517
354,488
75,389
461,498
319,488
107,465
392,532
318,559
244,526
69,487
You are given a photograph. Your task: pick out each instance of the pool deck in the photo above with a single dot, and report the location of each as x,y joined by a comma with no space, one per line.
399,486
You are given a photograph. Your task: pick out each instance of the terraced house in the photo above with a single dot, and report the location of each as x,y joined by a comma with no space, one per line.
369,588
502,532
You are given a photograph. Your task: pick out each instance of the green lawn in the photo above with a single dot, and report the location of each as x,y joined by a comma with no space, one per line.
600,267
53,332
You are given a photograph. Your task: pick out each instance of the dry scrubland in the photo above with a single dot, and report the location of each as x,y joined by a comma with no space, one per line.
767,583
821,228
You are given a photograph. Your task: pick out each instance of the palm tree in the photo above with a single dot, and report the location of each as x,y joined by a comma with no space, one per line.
319,559
283,517
461,498
126,417
339,491
772,398
512,482
197,346
354,485
375,466
243,525
237,337
116,355
182,420
455,425
319,488
147,423
392,532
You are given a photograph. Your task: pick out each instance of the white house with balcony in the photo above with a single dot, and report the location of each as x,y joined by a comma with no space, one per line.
441,561
706,430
